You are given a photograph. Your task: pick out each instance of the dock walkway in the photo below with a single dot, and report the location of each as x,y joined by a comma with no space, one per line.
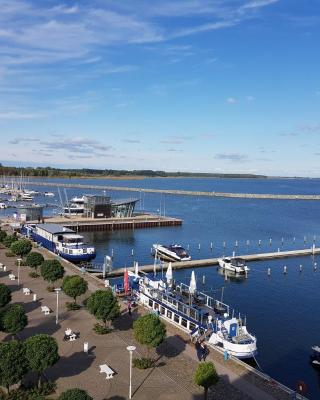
214,261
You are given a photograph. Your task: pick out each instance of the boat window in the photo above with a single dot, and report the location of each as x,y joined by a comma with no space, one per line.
162,310
156,306
169,314
184,322
176,318
193,313
84,250
150,303
192,326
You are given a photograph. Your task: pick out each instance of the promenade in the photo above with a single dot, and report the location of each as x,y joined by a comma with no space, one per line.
171,379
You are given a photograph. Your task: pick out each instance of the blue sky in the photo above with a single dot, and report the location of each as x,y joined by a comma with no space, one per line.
188,85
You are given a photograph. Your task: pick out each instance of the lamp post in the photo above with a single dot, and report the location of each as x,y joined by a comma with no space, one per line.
19,262
131,349
57,290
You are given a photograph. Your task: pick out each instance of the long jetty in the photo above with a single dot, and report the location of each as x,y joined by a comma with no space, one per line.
214,261
180,192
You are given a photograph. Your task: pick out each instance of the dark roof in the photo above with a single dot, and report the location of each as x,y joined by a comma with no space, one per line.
55,228
118,202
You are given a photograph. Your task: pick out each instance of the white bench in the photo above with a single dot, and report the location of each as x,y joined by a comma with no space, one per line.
12,277
46,310
104,368
26,291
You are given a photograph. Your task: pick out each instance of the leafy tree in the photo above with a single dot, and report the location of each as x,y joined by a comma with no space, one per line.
34,260
75,394
13,363
52,270
74,286
41,353
5,295
21,247
103,305
14,319
149,330
9,239
206,376
3,235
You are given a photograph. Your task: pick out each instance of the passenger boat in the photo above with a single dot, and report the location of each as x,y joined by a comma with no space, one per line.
75,207
233,264
194,312
62,241
315,357
173,252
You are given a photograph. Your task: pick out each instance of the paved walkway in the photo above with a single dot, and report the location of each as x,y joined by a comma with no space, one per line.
171,379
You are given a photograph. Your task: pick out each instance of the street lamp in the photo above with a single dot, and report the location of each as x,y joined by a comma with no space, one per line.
19,262
57,290
131,349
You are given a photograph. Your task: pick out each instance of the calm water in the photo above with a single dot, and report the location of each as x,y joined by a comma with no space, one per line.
282,310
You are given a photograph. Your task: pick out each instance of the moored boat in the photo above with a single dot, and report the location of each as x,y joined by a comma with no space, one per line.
233,264
62,241
315,357
194,312
173,252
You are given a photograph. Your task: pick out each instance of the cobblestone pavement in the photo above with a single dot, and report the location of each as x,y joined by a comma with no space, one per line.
176,362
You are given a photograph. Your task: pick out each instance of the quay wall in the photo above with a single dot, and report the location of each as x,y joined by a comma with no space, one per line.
182,192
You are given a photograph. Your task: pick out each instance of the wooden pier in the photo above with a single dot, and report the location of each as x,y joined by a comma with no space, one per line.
269,196
81,224
214,261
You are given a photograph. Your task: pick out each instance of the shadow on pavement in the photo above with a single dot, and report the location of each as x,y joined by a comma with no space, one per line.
171,347
71,366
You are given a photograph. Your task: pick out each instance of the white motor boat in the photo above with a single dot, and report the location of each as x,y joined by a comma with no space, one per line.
49,194
234,264
174,252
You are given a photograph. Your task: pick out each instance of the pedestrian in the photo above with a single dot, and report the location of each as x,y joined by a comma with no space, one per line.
203,350
129,308
198,350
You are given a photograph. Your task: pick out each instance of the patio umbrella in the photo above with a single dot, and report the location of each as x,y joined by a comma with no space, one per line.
169,274
126,281
136,269
193,283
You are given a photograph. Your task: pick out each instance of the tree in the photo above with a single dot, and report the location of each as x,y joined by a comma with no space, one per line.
34,260
41,353
52,270
21,247
74,286
3,235
9,239
206,376
5,295
103,305
75,394
149,330
13,363
14,319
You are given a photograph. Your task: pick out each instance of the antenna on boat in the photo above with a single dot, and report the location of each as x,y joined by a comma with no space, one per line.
155,263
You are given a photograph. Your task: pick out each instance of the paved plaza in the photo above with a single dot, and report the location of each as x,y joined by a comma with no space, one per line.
176,358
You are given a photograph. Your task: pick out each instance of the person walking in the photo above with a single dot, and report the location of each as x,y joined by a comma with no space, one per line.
129,308
198,350
204,351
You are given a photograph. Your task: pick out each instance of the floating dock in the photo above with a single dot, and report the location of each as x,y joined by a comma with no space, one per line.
214,261
80,224
181,192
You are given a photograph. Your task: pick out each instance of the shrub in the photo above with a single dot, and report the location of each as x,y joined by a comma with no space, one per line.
101,329
75,394
21,247
50,288
5,295
22,263
72,306
143,363
9,239
3,235
9,254
33,274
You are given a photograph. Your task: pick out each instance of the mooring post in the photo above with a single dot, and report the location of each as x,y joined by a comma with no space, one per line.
284,269
269,271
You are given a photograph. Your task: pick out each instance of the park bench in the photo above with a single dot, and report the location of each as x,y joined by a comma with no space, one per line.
12,277
46,310
26,291
104,368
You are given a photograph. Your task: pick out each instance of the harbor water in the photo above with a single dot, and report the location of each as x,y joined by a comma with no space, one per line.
281,309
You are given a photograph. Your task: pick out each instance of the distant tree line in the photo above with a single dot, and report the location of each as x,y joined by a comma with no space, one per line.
87,172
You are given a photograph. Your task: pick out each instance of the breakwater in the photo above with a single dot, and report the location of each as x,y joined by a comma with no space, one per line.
180,192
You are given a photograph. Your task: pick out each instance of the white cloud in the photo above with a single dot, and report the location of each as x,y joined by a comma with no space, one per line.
231,100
